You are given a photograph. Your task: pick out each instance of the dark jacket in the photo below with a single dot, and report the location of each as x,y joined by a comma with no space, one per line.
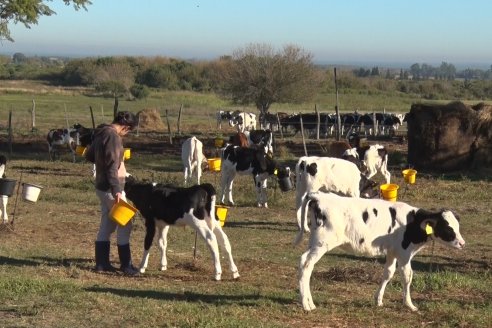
106,152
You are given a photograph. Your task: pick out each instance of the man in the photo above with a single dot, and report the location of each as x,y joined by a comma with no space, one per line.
106,152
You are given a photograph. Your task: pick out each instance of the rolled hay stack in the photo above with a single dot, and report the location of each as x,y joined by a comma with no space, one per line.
450,137
150,120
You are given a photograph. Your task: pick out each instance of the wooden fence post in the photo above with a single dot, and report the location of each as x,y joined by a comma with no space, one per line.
92,117
179,119
339,124
33,116
302,134
280,127
115,107
317,120
10,132
169,127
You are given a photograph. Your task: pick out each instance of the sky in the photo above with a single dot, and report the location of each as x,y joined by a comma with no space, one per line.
334,31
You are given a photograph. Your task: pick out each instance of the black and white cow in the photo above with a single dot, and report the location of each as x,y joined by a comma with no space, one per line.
261,139
373,227
370,160
337,175
243,121
57,138
163,206
245,161
223,116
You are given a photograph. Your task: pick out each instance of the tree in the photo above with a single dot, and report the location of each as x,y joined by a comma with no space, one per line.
415,70
28,12
19,58
257,74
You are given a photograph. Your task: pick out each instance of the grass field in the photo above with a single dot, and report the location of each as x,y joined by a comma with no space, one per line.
47,256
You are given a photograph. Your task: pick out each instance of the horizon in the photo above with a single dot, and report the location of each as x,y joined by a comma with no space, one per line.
352,33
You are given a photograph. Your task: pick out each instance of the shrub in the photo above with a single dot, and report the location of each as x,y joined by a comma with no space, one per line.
139,91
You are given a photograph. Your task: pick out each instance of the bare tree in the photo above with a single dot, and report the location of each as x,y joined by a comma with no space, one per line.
260,75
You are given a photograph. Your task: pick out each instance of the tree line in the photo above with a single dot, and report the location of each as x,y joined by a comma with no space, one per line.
256,74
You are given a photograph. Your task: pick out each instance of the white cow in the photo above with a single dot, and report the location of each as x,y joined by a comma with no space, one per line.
193,157
373,227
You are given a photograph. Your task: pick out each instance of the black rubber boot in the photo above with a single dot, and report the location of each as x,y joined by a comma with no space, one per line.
102,257
126,261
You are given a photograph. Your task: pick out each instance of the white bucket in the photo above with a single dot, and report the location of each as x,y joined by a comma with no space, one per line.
30,192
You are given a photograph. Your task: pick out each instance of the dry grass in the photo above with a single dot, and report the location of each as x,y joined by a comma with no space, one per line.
46,278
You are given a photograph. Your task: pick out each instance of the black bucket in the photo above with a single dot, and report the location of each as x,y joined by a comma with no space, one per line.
7,187
285,183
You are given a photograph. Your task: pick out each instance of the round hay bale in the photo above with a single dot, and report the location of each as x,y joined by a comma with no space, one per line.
150,119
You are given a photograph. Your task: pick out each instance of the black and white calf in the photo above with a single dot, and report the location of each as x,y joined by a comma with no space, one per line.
315,173
243,121
243,161
373,227
370,160
223,116
57,138
261,139
163,206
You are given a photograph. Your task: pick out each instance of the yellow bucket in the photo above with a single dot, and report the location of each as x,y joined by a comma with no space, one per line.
219,142
221,213
389,191
409,175
127,153
214,164
122,212
80,150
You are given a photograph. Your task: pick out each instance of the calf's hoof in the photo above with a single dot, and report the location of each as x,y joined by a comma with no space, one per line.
235,275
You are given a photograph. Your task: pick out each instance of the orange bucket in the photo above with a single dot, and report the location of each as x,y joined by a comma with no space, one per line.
389,191
122,212
214,164
80,150
409,176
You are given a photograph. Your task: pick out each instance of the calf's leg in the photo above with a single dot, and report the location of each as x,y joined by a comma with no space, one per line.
149,237
223,241
208,235
306,266
163,246
389,271
4,200
407,274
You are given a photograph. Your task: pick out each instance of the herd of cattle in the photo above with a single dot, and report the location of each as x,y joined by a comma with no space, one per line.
336,201
366,124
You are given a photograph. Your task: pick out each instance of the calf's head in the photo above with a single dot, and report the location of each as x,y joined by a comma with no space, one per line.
367,187
443,226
